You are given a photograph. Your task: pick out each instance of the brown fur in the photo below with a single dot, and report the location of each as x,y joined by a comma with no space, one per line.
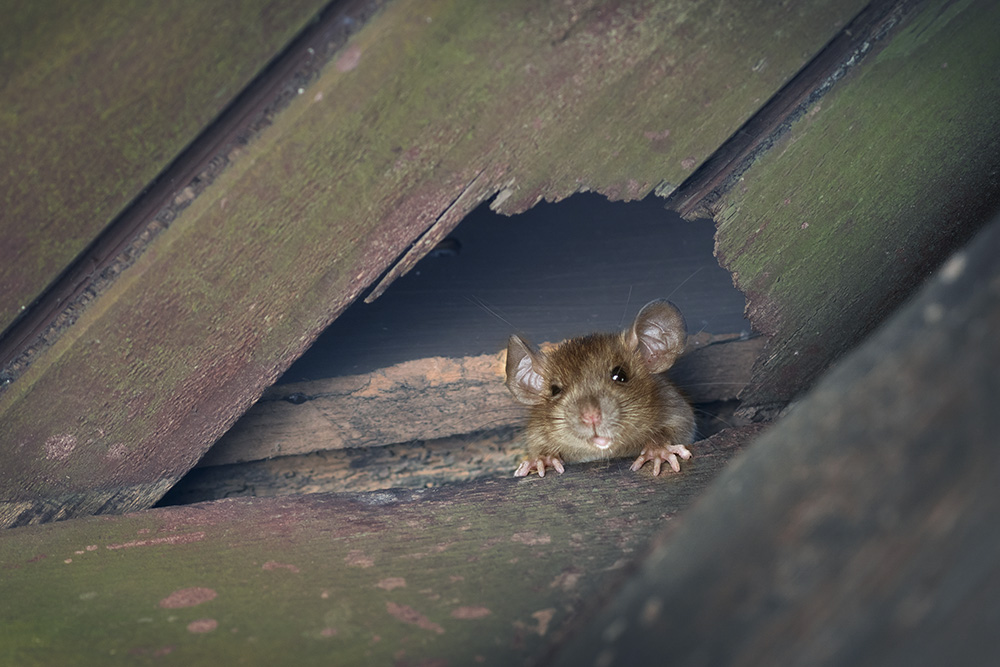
647,410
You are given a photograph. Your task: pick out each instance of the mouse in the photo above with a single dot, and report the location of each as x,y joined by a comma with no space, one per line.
604,395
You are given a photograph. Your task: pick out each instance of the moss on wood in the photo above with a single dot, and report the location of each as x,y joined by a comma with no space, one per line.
98,99
471,574
866,193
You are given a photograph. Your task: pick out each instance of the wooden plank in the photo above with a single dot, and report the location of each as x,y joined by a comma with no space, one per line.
434,398
410,465
117,245
699,195
415,425
861,529
866,193
414,465
528,97
478,573
99,98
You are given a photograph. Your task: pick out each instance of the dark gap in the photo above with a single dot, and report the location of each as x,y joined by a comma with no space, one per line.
558,270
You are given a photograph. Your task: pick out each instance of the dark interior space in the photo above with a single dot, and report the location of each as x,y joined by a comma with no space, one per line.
559,270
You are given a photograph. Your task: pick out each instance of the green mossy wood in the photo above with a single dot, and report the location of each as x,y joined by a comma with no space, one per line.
866,193
98,97
470,574
432,107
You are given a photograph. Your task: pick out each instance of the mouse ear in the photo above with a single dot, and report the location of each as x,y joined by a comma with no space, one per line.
524,378
659,334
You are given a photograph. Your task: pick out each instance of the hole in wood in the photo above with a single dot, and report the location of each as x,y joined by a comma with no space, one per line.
408,390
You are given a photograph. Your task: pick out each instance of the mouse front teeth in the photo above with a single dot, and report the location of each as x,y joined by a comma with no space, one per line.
600,442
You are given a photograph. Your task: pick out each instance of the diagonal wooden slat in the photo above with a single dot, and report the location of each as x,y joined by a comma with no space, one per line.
867,191
98,99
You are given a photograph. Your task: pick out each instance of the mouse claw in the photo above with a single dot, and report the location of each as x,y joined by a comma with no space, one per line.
658,455
539,464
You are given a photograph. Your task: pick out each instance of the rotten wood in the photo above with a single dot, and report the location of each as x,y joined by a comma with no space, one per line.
861,529
480,573
435,398
616,99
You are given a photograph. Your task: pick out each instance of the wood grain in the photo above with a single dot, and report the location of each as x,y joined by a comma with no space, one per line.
79,144
826,234
481,573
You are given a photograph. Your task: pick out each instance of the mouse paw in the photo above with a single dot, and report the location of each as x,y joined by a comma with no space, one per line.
539,464
658,455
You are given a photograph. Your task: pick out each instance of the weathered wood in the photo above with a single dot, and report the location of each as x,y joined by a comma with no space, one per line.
423,399
415,465
434,398
862,528
861,197
539,100
478,573
98,99
410,465
698,196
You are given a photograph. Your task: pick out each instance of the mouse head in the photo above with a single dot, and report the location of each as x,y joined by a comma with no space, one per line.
654,340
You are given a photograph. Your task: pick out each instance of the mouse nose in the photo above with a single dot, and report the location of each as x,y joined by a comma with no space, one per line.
590,413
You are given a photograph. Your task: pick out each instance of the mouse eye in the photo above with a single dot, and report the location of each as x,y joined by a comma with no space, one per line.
618,374
556,390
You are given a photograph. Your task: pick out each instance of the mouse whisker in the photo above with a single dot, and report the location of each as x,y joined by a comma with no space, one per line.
683,282
478,301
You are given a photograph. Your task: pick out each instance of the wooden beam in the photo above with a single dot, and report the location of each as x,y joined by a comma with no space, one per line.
861,197
419,424
479,573
410,465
